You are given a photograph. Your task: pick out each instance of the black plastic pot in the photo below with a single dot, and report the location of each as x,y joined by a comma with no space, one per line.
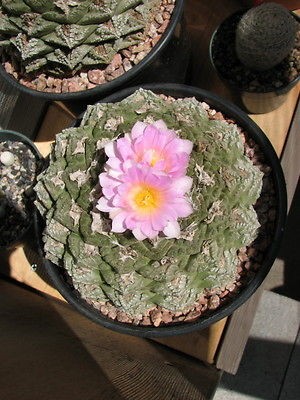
138,73
256,101
7,135
58,276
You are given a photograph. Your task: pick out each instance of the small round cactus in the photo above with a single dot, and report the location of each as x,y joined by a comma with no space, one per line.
265,35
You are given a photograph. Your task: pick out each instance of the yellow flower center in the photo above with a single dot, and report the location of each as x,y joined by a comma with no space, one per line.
145,199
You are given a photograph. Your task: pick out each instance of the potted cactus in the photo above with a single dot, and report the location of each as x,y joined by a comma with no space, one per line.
20,163
162,209
71,49
257,53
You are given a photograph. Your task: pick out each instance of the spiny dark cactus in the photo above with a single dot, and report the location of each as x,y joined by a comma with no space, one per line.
265,35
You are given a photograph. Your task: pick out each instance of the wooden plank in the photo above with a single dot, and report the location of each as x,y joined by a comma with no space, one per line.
201,344
51,351
290,160
236,334
276,124
57,118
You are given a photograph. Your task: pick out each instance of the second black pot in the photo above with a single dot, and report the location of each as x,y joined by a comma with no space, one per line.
254,101
171,46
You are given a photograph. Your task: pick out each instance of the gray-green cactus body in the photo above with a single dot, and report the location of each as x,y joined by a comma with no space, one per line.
69,35
133,275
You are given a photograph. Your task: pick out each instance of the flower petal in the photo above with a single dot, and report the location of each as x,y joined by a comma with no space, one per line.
102,205
124,148
110,149
172,230
182,207
118,223
147,230
182,185
158,223
138,129
183,145
138,234
160,124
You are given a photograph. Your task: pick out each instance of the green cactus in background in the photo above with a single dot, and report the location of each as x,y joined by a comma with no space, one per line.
65,36
133,275
265,35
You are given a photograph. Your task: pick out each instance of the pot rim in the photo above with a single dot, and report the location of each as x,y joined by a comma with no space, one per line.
106,88
243,120
283,89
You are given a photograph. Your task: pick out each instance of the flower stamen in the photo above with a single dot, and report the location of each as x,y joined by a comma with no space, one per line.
146,199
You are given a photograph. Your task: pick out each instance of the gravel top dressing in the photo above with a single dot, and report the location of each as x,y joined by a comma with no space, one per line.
17,171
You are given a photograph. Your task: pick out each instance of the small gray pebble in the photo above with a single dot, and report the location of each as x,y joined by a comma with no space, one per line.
7,158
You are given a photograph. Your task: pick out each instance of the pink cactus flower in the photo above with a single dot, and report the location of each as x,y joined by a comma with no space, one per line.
150,144
146,201
144,184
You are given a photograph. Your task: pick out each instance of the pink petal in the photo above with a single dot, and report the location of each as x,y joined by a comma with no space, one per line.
102,205
183,145
158,223
182,185
117,201
172,230
160,124
108,192
114,162
138,129
114,212
110,149
182,207
138,234
124,148
147,230
107,181
168,211
118,223
130,222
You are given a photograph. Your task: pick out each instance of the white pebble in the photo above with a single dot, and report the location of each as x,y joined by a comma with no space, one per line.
7,158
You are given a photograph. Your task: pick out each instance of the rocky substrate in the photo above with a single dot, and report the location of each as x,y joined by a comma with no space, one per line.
231,69
121,63
249,258
18,168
